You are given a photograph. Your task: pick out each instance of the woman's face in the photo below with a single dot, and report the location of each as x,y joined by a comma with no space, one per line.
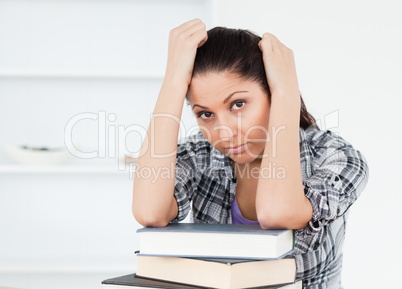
232,114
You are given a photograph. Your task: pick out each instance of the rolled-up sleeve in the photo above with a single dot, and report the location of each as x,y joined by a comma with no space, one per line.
340,175
185,185
336,185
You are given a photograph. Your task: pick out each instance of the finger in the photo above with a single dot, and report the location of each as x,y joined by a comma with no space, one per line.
188,24
270,37
266,47
203,41
180,29
269,41
200,26
276,44
262,45
190,28
199,37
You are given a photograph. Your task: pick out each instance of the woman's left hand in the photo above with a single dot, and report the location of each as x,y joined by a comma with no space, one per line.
280,68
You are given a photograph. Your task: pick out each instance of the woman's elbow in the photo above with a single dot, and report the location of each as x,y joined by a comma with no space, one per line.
148,219
273,219
282,218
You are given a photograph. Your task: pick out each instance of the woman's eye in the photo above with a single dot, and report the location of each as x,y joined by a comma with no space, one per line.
238,105
205,114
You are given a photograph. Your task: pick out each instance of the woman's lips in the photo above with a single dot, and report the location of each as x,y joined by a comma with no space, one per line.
236,149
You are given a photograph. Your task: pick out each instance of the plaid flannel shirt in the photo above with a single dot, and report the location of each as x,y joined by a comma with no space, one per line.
333,173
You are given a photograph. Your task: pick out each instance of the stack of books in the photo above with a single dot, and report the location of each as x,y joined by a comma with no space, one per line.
188,255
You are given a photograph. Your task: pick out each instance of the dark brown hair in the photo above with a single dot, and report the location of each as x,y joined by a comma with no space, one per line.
236,51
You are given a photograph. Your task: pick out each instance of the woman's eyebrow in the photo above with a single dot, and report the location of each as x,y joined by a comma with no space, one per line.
203,107
230,96
225,101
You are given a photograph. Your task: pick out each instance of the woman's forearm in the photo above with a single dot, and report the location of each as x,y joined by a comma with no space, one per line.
153,200
280,200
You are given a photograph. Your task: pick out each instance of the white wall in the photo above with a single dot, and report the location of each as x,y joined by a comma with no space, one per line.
349,64
60,59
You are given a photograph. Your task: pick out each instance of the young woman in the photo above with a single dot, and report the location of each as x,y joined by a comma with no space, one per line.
259,158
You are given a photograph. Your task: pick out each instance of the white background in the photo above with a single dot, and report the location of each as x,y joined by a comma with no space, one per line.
348,57
349,68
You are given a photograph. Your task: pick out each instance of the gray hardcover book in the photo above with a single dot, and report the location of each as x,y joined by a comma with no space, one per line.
132,281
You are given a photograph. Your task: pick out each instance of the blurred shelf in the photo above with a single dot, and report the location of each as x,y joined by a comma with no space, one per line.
81,74
65,169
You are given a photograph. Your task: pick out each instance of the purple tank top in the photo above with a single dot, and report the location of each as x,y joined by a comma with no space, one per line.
237,217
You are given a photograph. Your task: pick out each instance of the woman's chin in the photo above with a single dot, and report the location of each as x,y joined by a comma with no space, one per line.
243,158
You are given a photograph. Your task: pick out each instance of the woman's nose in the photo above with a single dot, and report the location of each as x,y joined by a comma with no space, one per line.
227,130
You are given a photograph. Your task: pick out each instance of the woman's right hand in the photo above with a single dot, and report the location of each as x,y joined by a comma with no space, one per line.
183,43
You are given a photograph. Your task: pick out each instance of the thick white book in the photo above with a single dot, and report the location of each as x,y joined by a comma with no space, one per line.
215,241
